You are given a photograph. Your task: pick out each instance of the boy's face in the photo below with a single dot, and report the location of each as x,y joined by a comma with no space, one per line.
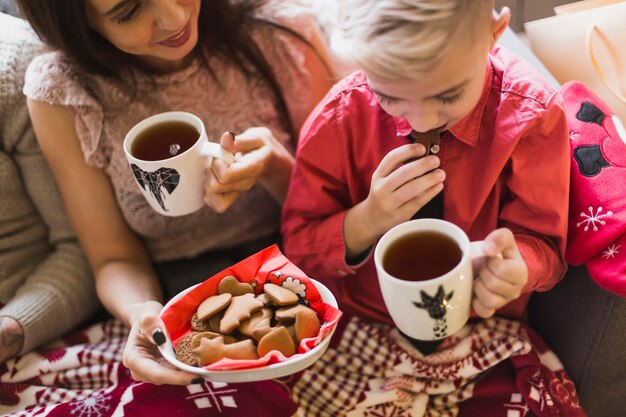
441,97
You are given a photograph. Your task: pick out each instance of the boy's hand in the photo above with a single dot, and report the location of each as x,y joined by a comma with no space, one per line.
400,188
502,276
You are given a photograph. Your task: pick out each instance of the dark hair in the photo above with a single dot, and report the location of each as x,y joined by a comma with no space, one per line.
63,25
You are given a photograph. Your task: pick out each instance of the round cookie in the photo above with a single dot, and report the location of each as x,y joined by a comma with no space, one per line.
184,350
213,305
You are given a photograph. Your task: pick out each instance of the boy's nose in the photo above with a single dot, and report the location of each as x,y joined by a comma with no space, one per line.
169,15
424,121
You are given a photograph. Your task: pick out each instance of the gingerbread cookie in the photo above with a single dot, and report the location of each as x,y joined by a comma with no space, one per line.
287,315
231,285
212,305
184,350
279,339
212,350
429,139
306,325
280,296
247,326
214,322
240,309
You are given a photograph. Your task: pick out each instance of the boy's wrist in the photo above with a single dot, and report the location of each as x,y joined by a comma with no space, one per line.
360,231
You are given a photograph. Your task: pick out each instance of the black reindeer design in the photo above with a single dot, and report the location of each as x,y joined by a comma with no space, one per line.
436,308
162,178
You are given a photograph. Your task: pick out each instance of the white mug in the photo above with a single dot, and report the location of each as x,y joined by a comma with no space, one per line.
435,308
174,186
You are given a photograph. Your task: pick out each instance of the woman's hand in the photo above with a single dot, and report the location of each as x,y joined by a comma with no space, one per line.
502,276
11,338
141,355
259,157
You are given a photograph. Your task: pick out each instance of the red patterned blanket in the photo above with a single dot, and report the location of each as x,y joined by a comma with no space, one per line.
494,367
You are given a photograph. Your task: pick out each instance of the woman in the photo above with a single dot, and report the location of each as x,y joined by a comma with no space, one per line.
239,66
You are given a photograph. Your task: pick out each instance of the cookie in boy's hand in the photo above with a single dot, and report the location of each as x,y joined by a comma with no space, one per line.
430,140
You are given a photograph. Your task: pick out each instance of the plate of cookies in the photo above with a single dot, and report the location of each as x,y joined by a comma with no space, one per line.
262,318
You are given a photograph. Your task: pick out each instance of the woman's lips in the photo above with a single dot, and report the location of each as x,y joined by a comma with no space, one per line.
179,39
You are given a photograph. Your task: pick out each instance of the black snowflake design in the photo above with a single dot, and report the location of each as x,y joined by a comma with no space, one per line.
162,179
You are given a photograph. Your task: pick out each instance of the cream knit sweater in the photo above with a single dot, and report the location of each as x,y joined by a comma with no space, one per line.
45,282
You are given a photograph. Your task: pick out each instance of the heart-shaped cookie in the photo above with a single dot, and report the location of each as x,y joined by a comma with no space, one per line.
231,285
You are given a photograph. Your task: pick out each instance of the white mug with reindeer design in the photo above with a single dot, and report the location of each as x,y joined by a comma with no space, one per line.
425,274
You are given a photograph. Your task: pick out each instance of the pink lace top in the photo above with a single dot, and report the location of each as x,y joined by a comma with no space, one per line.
104,113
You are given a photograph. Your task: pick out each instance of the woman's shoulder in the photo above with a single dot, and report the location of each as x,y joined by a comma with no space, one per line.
296,16
51,78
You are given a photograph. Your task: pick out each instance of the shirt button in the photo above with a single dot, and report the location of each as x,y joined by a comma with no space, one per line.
434,149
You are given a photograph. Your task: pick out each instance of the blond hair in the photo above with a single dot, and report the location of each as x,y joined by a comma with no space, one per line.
399,39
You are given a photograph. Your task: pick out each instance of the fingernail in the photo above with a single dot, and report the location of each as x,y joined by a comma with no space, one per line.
158,337
197,381
232,134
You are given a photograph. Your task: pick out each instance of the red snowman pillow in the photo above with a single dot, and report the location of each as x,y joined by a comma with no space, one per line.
597,218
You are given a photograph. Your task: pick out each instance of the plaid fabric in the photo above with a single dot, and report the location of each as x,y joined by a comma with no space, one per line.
494,367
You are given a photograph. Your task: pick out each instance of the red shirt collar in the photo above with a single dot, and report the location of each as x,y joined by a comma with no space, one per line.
466,130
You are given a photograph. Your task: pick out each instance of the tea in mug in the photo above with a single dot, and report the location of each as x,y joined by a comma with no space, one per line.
422,255
164,140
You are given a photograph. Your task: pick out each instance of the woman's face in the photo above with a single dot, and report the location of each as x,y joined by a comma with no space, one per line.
162,33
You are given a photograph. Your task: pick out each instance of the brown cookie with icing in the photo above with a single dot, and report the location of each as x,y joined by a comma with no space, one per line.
184,350
231,285
199,325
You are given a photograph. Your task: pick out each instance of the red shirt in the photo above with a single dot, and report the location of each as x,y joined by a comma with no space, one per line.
506,163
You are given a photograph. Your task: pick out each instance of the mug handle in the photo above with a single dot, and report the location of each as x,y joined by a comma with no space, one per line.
216,150
476,249
477,253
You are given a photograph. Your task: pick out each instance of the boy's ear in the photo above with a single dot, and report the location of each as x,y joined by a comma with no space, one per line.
499,22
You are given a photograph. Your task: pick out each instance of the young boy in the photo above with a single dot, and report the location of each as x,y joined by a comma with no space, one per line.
501,166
